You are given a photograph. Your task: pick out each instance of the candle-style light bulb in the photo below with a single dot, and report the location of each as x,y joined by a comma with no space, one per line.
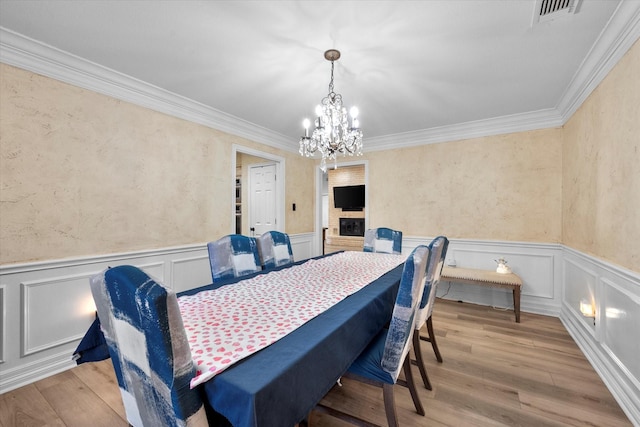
355,124
305,124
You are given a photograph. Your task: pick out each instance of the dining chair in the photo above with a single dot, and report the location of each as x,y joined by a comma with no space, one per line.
274,248
232,256
438,248
148,346
381,361
384,240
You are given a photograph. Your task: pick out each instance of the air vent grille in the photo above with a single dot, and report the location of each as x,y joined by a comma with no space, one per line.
548,10
551,6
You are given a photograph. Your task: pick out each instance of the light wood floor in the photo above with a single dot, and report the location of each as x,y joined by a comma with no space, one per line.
495,373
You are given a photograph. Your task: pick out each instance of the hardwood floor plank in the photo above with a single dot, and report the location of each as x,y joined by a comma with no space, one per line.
26,407
99,377
579,414
76,404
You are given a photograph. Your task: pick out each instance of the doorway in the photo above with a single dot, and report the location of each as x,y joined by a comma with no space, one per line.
243,207
262,199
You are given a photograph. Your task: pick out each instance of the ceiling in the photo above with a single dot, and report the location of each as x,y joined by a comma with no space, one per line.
412,67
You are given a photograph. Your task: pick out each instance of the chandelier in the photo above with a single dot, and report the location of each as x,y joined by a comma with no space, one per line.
332,134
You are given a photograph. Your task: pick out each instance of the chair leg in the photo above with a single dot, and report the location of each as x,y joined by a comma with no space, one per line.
412,386
432,338
390,405
419,361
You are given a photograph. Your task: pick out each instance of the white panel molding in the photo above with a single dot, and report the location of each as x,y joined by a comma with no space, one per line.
303,246
194,271
3,322
618,377
537,263
29,346
568,264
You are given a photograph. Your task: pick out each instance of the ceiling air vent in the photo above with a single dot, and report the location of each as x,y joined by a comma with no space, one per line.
548,10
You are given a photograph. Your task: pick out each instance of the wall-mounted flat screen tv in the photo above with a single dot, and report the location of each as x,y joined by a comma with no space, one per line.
349,198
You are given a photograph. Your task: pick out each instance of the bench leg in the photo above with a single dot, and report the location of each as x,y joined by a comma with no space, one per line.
516,303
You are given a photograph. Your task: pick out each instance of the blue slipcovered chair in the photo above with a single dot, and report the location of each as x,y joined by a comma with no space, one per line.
384,240
148,345
274,248
380,363
438,248
232,256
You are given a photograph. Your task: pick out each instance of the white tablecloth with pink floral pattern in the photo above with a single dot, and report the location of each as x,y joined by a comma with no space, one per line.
227,324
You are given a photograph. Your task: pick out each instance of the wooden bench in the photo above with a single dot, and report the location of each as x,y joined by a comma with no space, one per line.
486,278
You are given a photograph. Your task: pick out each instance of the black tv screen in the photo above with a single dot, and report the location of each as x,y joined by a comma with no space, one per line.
350,197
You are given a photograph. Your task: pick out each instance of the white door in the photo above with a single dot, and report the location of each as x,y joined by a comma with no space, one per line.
262,199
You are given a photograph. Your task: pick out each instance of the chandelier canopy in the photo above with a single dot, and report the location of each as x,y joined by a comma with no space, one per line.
333,134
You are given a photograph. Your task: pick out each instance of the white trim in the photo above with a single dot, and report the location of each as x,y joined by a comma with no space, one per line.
280,181
621,32
40,58
3,321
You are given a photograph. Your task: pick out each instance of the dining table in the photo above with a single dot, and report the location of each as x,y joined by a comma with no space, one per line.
280,383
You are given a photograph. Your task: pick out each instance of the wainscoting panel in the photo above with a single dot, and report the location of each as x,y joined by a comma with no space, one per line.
3,322
583,282
302,246
47,306
189,273
612,345
537,264
67,302
621,323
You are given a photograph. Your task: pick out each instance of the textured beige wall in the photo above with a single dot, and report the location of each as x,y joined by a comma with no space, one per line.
505,187
601,168
83,174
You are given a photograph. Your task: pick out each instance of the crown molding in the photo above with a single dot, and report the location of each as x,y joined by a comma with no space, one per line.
496,126
621,32
40,58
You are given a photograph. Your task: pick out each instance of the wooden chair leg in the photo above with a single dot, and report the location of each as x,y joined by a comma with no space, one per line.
432,339
390,405
412,386
419,361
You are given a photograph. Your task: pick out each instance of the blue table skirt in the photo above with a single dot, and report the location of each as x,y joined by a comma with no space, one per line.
279,385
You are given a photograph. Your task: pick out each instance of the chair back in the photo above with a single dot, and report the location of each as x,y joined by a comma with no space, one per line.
383,240
149,349
398,342
438,248
232,256
275,249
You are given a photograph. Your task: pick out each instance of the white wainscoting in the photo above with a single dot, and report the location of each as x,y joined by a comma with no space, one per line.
46,307
611,341
537,264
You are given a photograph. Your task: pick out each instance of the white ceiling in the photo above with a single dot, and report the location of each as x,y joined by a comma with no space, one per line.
413,67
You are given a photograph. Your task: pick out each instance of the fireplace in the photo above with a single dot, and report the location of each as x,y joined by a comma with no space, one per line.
352,226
